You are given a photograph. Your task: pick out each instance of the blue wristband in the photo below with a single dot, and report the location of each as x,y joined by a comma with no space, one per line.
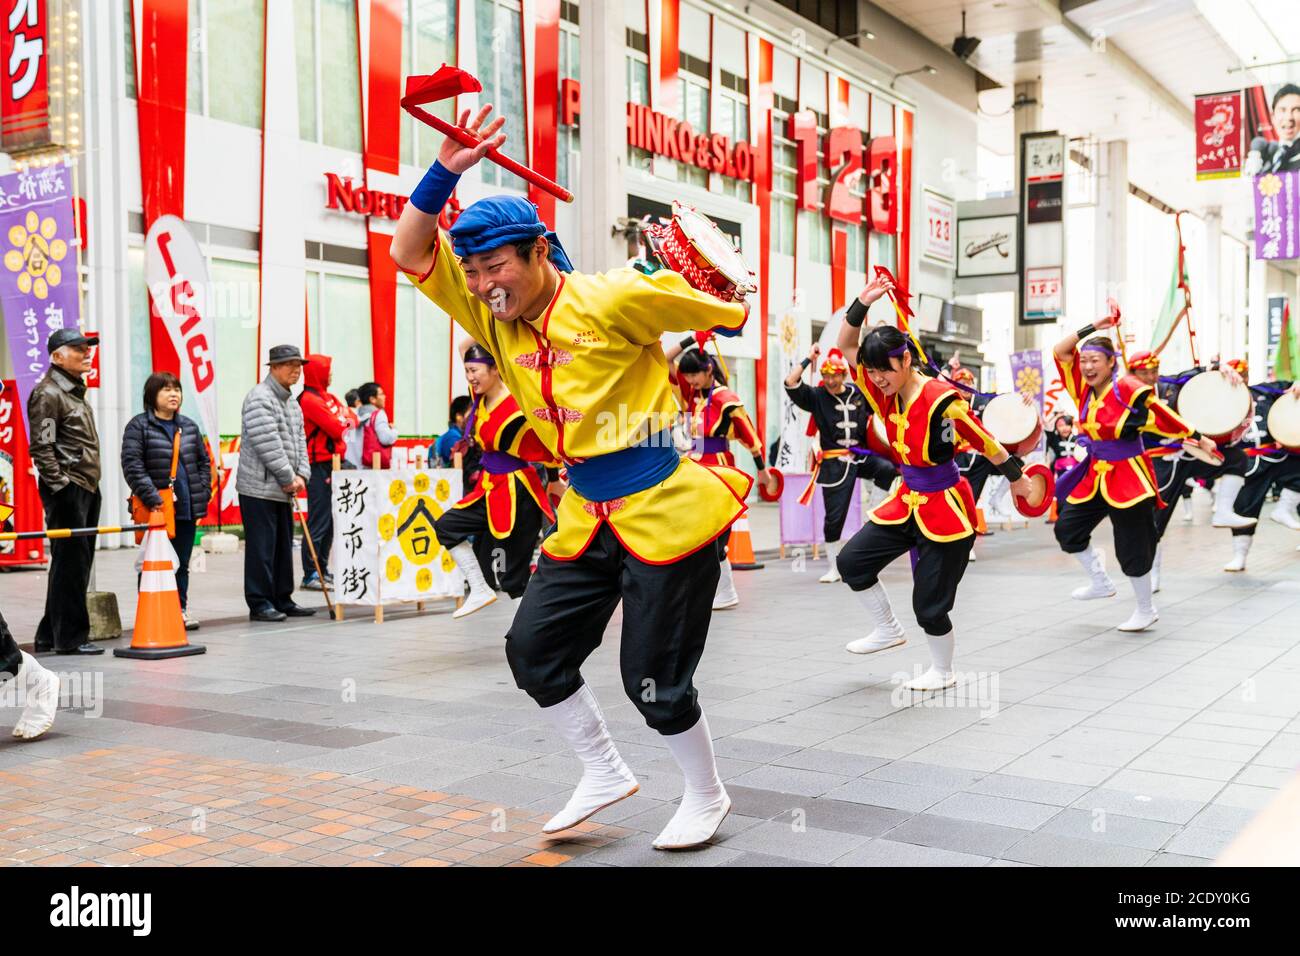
435,189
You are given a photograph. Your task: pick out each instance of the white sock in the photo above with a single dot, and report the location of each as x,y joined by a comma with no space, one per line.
704,799
606,778
888,631
40,691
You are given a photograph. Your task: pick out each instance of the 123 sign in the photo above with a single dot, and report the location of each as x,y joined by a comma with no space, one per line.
940,219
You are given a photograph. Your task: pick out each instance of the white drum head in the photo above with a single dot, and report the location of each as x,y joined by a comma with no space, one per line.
1213,405
1009,419
715,245
1284,421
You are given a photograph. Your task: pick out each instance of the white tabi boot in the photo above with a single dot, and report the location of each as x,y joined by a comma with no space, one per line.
888,632
1144,615
606,779
940,674
1240,548
40,690
725,597
1225,493
480,595
1099,583
1284,512
832,574
1187,503
704,799
1155,571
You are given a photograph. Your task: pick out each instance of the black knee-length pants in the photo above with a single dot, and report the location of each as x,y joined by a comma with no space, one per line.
1134,528
666,613
1250,500
505,561
935,575
1172,475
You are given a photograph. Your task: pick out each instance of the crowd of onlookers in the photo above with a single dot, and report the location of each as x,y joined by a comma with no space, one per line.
288,446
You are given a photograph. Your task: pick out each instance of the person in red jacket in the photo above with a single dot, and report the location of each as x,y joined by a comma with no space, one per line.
326,420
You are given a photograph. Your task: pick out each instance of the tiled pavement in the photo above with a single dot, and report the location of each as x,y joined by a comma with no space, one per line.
1068,743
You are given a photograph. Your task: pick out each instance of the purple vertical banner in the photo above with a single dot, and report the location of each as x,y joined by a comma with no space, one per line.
1277,215
1027,379
38,280
1027,374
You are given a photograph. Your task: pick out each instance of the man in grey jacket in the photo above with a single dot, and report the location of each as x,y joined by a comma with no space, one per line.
273,469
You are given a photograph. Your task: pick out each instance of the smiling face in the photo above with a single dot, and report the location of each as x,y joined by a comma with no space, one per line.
1147,376
891,380
482,378
834,382
1286,118
1096,367
511,286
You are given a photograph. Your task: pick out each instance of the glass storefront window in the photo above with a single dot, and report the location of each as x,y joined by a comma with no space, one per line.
638,91
234,64
428,41
234,293
500,70
816,228
340,76
304,25
345,330
568,142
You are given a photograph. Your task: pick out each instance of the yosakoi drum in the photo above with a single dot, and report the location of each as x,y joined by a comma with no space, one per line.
1216,407
1014,422
705,256
1044,487
1284,422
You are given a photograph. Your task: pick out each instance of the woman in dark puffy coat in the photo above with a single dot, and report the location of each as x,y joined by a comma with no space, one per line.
147,460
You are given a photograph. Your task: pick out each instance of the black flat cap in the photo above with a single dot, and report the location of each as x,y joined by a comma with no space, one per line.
285,353
62,337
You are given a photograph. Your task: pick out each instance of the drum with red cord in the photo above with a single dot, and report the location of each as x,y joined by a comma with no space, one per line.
1014,421
692,245
1039,500
1216,406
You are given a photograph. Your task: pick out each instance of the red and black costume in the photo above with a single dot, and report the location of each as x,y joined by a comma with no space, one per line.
1116,479
504,510
932,511
1260,459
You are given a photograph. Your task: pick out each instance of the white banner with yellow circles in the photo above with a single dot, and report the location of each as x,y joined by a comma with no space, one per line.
413,566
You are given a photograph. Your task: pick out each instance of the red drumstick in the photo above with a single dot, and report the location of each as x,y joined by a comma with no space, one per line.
450,81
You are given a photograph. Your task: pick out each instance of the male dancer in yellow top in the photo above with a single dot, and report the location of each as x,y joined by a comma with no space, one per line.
639,524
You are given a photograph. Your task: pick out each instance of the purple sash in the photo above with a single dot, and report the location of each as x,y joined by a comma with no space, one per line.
1114,449
501,463
709,446
931,478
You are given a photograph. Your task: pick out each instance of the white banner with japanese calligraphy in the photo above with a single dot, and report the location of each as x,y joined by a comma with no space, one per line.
384,549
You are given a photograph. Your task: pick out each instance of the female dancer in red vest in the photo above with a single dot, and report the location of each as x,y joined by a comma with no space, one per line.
1116,479
504,510
931,511
717,418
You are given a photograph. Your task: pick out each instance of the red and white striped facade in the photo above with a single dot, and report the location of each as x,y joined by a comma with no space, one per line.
151,157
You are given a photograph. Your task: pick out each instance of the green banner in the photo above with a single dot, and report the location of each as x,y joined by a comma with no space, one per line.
1172,305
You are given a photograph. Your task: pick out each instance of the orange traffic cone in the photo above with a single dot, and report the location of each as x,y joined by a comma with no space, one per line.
740,548
159,628
980,526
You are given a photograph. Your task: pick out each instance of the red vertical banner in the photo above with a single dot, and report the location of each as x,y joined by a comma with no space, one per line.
25,74
762,91
905,198
670,57
162,61
839,264
381,151
384,89
17,482
546,92
1219,124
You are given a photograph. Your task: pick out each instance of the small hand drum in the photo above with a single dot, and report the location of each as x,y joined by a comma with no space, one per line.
1284,422
772,491
1216,407
1014,422
690,244
1040,499
1200,454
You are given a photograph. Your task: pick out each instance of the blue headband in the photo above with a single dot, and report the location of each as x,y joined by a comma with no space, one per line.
503,220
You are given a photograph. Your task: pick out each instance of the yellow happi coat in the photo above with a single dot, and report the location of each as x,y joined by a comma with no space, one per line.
590,375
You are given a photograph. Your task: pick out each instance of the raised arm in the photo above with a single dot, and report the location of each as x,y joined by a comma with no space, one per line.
796,374
850,335
416,236
1064,350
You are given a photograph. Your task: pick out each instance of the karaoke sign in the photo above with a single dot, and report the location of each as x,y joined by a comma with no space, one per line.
24,74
